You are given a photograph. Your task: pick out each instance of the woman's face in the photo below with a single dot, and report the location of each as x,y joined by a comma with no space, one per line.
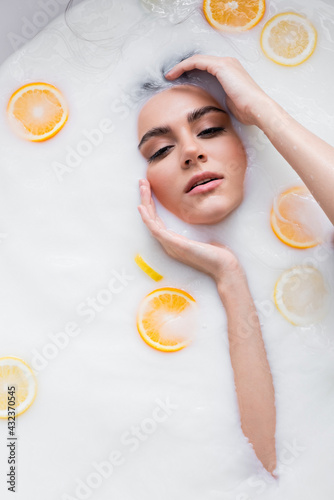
187,138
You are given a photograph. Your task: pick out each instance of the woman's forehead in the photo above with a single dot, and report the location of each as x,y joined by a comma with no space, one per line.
179,94
173,100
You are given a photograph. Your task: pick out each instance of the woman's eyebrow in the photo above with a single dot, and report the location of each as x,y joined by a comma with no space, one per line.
198,113
154,132
194,115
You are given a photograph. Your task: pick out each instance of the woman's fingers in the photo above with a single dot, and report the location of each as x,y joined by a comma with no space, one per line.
198,255
205,63
201,256
145,194
244,98
150,222
167,238
155,224
146,198
151,218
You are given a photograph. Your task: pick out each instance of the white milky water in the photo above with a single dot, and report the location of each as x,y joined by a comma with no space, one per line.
114,418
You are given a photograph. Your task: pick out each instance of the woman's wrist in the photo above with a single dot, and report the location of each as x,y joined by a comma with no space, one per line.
271,117
229,284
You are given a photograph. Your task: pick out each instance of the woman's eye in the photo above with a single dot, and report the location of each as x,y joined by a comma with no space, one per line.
160,152
212,131
208,132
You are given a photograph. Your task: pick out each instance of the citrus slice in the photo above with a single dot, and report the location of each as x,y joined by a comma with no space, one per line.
301,295
37,111
147,269
296,218
16,372
288,39
166,320
233,15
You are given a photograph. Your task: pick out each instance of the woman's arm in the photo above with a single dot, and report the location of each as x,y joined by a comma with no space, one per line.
311,157
252,376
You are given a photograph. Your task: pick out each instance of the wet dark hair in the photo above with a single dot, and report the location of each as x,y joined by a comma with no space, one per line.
146,87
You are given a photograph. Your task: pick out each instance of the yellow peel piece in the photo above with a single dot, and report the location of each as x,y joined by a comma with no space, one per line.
147,269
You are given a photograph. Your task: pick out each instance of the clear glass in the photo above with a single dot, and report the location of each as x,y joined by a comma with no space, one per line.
175,10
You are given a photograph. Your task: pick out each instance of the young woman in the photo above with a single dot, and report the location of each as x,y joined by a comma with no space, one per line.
196,167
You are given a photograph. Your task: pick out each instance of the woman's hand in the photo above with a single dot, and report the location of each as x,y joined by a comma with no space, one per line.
213,258
244,98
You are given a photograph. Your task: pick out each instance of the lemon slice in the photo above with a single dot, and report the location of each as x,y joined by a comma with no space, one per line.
288,39
233,15
166,319
147,269
301,295
37,111
15,372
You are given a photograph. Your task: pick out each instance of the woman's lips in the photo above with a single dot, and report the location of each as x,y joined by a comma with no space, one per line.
203,188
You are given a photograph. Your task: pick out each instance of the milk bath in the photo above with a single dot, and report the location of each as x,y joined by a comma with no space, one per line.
114,417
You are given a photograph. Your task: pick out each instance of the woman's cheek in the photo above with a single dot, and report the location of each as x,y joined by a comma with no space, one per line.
160,182
237,160
154,175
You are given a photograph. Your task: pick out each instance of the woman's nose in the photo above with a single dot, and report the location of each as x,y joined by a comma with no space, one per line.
192,153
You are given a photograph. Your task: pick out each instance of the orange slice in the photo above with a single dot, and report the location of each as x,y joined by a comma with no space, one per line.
37,111
233,15
288,39
301,295
295,218
166,319
16,372
147,269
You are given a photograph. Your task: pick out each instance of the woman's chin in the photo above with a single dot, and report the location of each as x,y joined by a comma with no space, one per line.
207,220
209,216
